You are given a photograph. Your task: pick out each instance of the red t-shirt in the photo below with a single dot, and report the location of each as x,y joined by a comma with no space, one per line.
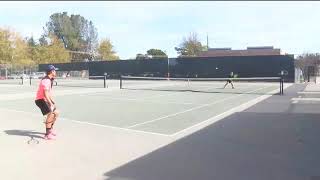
45,84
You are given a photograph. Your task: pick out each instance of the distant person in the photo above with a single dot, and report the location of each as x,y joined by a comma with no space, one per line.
64,75
45,101
229,81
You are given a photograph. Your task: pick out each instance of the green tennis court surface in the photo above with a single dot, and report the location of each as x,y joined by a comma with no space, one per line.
151,111
101,129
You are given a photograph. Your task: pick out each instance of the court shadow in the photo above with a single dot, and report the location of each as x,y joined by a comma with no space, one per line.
26,133
246,145
271,140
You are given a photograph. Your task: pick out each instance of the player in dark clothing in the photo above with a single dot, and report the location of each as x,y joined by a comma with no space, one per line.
229,80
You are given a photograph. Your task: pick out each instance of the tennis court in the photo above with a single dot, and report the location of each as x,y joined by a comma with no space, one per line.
166,112
101,129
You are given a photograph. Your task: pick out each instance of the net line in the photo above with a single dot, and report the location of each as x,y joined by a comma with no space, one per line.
138,82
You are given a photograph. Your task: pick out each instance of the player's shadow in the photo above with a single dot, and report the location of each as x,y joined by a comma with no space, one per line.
26,133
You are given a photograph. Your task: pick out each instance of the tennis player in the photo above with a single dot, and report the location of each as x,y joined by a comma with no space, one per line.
229,81
46,103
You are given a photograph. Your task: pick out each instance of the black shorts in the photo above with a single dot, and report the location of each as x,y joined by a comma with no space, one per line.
229,81
44,106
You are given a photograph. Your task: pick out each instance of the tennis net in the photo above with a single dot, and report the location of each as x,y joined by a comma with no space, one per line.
14,81
263,85
89,82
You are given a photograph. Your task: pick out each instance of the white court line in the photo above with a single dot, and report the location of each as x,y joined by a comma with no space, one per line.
185,84
113,127
142,100
57,92
150,97
102,93
94,124
191,109
309,92
88,123
305,99
229,112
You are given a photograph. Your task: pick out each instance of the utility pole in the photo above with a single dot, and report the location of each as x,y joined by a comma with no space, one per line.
207,42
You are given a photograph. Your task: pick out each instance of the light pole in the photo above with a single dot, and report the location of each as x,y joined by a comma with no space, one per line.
168,73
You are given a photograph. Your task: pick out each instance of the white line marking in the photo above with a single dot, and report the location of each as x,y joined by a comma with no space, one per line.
309,92
305,99
227,113
143,100
26,95
231,111
194,108
113,127
150,97
93,124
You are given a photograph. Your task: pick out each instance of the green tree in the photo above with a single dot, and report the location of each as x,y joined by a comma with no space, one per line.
6,50
140,56
106,50
91,38
156,53
76,32
14,49
31,42
190,46
24,53
43,40
21,56
54,52
32,48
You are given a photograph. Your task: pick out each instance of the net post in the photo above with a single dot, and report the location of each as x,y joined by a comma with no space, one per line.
30,80
120,81
21,80
282,84
104,81
280,92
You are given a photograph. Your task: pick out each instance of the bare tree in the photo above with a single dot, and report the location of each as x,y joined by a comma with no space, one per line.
308,63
